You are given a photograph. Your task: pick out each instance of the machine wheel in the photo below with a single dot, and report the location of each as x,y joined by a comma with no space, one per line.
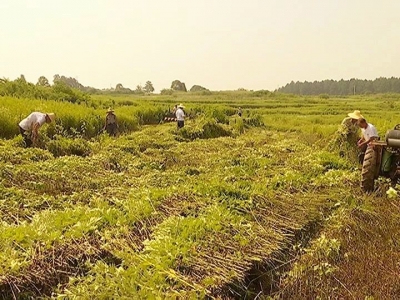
368,170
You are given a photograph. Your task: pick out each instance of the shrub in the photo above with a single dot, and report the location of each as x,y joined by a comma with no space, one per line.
205,129
262,93
167,92
220,116
64,146
255,120
238,124
150,115
324,96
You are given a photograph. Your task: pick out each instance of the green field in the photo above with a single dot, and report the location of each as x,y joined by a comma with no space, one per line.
227,208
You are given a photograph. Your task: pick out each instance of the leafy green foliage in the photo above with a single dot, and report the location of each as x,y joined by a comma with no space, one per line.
187,214
61,146
204,129
59,91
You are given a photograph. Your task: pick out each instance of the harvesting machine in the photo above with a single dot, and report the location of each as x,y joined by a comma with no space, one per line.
382,158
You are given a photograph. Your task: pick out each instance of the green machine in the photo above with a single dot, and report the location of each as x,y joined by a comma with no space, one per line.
382,158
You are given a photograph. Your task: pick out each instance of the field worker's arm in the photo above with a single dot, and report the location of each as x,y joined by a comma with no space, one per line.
364,142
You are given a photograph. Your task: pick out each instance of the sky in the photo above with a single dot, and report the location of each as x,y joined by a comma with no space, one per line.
219,44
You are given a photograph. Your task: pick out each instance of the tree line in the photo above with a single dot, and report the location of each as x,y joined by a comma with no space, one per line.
343,87
71,90
59,91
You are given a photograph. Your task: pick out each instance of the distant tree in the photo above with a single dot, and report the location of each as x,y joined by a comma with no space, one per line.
42,81
56,78
343,87
198,88
4,80
178,86
139,89
21,79
119,87
69,81
148,88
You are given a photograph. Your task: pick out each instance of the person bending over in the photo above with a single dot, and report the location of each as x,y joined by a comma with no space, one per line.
29,127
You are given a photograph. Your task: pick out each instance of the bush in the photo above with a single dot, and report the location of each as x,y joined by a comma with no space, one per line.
324,96
238,125
262,93
150,115
167,92
64,146
8,124
255,120
205,129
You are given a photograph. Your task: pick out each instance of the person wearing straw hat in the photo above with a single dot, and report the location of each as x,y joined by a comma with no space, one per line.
29,127
348,127
111,124
350,121
180,116
347,136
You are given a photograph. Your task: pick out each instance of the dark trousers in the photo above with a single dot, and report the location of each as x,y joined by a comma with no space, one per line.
111,129
181,124
27,137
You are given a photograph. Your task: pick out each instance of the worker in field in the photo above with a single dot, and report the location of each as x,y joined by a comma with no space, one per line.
347,136
349,124
180,116
29,127
369,134
239,112
111,125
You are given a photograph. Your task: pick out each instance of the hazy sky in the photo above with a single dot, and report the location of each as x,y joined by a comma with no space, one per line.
220,44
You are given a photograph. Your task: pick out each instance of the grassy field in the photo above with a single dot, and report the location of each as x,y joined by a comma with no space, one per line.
227,208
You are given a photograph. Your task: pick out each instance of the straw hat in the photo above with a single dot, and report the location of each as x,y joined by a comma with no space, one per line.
356,115
181,106
51,116
110,110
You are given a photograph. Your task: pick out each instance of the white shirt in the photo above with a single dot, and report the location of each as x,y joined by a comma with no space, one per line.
33,118
180,115
369,132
